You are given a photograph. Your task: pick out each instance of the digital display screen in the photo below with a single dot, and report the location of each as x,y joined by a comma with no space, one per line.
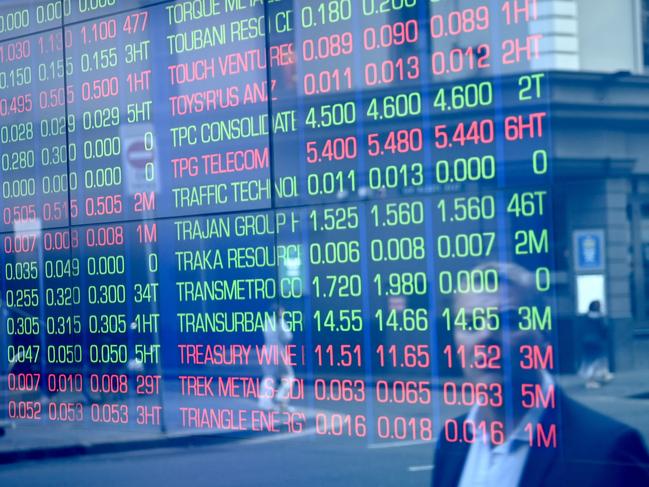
257,219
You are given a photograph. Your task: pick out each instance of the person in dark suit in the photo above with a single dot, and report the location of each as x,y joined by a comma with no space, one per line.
575,446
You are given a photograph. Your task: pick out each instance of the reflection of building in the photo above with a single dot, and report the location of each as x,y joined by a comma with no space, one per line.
600,119
590,35
596,52
601,159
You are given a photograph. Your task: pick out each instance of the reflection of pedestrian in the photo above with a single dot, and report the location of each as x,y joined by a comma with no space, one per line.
276,333
594,347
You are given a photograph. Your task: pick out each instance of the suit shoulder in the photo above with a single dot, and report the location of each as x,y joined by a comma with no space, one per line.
588,433
590,423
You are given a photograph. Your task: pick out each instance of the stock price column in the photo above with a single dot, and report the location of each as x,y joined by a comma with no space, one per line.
392,38
347,149
38,315
110,95
494,258
322,171
402,318
336,288
33,131
121,319
465,166
314,78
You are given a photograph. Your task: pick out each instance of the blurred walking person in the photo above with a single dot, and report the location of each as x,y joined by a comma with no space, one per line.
277,333
594,347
